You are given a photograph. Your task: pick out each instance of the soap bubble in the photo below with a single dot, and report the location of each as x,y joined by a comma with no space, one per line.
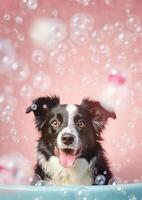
19,71
124,39
30,4
100,180
7,106
134,24
41,81
6,17
26,91
38,56
112,181
83,2
41,183
7,55
18,20
48,32
33,180
46,182
81,26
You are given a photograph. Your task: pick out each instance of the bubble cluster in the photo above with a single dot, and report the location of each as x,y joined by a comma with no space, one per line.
81,26
124,39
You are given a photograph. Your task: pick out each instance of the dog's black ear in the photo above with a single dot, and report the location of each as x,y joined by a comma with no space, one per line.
99,113
40,107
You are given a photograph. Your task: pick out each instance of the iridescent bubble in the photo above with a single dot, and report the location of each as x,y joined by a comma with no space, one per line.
31,4
38,56
19,71
48,32
100,180
41,81
26,91
7,55
81,26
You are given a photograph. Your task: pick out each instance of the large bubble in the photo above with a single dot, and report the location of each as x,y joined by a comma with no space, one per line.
48,32
7,55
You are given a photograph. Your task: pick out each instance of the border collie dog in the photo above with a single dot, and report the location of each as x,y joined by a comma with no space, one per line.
69,150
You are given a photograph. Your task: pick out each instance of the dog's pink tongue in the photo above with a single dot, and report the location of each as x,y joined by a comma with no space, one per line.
66,159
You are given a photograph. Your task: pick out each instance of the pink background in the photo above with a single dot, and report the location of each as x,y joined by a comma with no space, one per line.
96,52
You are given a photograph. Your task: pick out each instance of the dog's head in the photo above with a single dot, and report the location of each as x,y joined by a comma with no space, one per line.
69,131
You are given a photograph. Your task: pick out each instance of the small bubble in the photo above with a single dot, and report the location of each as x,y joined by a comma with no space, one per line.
83,2
26,91
6,17
18,19
34,106
41,183
41,81
38,56
100,180
81,26
44,106
31,4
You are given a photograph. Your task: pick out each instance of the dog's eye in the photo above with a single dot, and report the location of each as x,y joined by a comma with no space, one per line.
55,124
81,124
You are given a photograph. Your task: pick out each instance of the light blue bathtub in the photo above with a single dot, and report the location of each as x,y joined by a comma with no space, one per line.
110,192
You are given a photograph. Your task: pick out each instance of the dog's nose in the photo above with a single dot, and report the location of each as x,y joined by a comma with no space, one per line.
67,138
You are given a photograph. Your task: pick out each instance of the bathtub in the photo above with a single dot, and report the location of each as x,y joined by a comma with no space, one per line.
114,192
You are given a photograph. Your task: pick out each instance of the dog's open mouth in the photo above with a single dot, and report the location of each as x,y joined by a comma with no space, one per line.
67,156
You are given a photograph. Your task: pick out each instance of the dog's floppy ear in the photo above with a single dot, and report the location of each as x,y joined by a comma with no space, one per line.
99,113
40,108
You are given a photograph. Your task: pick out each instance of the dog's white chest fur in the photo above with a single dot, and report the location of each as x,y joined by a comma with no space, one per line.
79,174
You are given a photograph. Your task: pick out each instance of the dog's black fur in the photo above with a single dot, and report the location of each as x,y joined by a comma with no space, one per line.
95,117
